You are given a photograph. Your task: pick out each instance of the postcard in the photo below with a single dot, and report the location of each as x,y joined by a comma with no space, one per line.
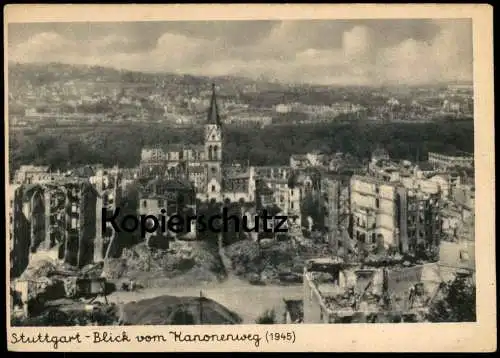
250,178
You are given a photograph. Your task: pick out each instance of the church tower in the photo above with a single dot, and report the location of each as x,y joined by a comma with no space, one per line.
213,150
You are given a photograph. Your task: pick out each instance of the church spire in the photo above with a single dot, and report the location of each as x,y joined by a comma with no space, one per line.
213,111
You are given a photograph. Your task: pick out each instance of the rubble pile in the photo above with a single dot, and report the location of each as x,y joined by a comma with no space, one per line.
39,268
106,315
149,267
270,263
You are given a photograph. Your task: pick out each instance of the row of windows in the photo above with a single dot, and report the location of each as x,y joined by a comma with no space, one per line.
362,238
175,155
160,202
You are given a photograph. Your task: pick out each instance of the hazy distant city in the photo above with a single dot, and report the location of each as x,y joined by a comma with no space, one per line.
365,143
65,95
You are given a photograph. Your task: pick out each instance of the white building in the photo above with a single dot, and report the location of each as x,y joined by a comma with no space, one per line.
374,206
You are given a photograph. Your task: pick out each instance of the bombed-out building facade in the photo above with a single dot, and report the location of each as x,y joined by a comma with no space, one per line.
57,219
387,216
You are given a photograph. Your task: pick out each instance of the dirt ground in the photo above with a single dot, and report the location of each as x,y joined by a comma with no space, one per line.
248,301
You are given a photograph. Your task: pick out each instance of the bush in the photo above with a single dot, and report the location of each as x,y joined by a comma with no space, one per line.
268,317
458,304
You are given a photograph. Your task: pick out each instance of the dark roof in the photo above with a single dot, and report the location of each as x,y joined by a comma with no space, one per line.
177,183
166,310
425,166
213,111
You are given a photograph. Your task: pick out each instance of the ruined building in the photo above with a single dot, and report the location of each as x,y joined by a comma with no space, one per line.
108,185
387,215
175,196
419,221
335,206
338,292
19,227
59,219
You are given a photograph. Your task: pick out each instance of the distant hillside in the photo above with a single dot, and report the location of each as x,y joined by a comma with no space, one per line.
42,73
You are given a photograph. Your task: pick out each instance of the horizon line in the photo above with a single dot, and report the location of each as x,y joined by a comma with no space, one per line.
242,77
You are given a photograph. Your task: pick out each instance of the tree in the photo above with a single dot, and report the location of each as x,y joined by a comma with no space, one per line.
268,317
458,303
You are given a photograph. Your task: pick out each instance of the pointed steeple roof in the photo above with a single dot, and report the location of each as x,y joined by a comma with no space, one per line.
213,112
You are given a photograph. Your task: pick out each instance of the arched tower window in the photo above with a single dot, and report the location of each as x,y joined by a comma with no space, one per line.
216,153
210,152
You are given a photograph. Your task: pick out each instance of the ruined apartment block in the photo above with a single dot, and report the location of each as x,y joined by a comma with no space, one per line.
419,220
336,208
108,185
374,210
58,219
174,196
403,219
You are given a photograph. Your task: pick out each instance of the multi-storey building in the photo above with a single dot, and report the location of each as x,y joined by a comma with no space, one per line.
31,174
403,218
464,197
419,220
172,196
108,184
239,184
465,160
277,188
374,208
335,201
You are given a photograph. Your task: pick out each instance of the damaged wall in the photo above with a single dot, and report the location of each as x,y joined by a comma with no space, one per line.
20,234
50,217
109,195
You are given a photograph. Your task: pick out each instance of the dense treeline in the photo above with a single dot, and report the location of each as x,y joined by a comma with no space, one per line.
271,145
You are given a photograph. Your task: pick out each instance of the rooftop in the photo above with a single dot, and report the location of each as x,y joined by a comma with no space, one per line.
372,180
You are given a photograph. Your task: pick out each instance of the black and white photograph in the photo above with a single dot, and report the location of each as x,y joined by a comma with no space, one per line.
241,172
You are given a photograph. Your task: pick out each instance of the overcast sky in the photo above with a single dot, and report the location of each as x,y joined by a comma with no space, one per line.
314,51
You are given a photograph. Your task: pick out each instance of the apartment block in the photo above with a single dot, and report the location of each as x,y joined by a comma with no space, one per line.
420,223
109,187
335,202
374,211
174,196
405,219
